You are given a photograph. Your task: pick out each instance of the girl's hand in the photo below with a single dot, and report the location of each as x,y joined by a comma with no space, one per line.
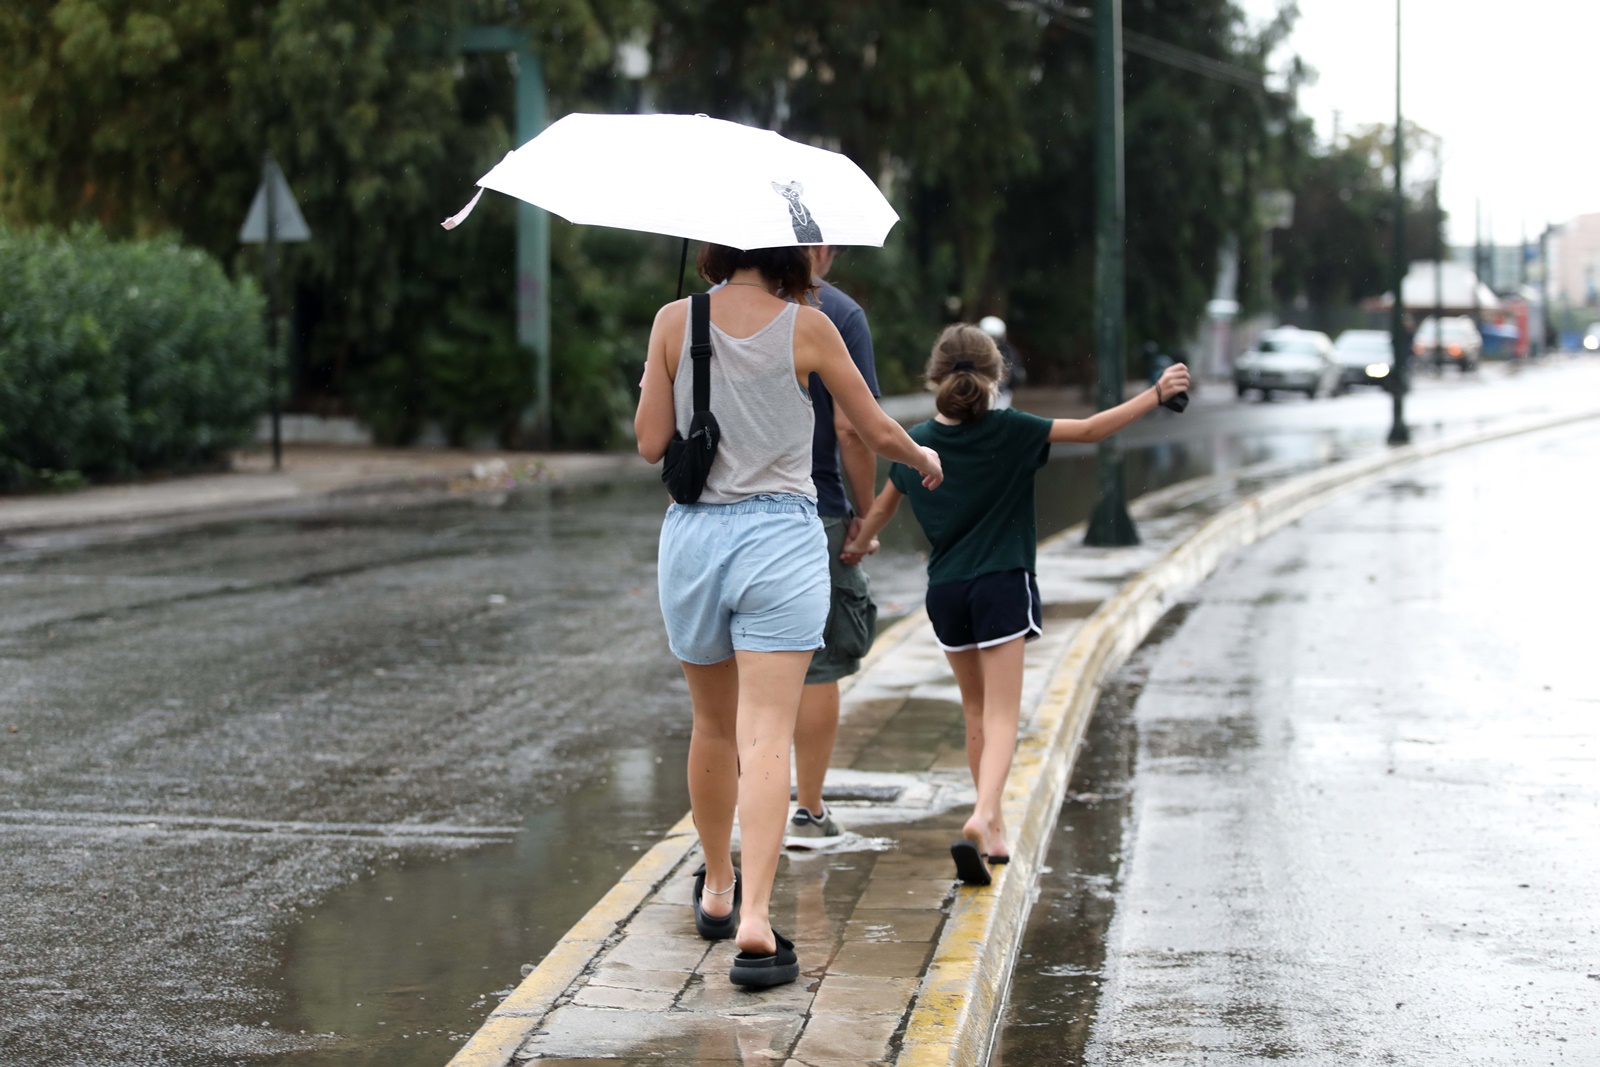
932,471
1174,380
855,551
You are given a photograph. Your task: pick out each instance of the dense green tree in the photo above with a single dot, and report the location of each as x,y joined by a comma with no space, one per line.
1339,249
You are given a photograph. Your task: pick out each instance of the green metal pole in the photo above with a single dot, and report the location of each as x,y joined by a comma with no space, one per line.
1110,524
1400,380
533,246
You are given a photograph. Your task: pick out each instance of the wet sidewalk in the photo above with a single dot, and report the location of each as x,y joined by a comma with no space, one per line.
900,964
312,475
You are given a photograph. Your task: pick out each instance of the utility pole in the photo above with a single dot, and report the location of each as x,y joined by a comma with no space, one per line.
533,224
1400,380
1544,287
1110,524
1438,273
1477,261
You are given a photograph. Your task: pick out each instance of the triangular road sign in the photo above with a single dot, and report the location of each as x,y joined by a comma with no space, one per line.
287,221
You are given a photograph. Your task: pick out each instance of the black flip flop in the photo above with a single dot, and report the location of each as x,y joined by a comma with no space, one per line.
715,927
995,861
969,863
764,972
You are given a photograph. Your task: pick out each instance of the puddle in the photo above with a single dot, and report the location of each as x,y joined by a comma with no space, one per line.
403,966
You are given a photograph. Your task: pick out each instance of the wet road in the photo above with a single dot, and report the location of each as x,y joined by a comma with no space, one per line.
310,789
1345,804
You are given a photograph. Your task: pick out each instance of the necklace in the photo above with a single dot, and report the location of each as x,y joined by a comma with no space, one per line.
754,285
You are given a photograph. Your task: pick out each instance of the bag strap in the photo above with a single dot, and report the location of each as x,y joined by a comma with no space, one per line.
700,349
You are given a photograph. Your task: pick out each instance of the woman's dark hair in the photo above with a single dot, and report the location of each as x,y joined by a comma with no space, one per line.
964,372
788,267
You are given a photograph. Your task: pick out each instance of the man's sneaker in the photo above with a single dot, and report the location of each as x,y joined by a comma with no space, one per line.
812,831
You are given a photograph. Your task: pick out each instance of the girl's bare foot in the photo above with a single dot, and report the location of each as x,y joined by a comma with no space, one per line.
989,836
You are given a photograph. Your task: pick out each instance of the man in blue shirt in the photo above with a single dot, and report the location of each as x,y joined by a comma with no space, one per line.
839,458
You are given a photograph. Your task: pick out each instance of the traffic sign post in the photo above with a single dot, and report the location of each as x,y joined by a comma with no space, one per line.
274,217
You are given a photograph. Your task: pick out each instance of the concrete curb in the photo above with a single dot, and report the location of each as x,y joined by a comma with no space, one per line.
959,1004
518,1016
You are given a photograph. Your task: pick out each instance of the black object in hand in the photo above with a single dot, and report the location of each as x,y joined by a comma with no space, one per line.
1176,402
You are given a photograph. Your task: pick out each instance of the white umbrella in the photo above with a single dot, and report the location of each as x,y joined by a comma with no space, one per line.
693,177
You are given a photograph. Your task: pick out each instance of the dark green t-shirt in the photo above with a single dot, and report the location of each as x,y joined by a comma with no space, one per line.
980,521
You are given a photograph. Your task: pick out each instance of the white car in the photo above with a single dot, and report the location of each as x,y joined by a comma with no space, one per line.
1366,357
1460,343
1288,360
1591,338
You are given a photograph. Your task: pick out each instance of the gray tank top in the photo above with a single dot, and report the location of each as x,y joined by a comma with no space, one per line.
764,415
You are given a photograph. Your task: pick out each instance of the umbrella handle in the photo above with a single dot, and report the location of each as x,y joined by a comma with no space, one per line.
683,262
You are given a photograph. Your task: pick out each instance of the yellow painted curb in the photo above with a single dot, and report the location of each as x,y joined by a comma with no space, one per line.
962,995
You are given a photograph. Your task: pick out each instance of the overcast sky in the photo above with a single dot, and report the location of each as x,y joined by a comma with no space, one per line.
1512,87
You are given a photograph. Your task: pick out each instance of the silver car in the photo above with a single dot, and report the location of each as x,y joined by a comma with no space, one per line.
1288,360
1366,357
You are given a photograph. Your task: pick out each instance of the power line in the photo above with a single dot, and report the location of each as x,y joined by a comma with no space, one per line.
1081,20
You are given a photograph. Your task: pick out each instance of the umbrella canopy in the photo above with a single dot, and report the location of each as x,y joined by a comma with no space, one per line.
694,177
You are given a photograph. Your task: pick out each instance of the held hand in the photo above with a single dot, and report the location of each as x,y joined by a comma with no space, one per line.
851,533
1174,380
931,470
854,552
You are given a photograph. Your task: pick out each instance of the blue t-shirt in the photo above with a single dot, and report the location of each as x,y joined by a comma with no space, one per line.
851,323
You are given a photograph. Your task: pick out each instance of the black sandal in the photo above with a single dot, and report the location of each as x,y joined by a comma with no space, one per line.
970,867
715,927
763,972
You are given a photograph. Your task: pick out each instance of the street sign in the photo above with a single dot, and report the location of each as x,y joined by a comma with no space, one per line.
288,223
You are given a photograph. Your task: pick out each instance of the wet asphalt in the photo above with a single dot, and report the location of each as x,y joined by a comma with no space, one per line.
1343,805
311,788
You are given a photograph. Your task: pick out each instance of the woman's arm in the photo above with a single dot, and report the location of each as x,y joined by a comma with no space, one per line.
883,510
819,349
1103,424
656,420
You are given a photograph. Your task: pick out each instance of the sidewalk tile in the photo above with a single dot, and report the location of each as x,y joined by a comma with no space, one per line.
898,893
855,1038
842,994
871,959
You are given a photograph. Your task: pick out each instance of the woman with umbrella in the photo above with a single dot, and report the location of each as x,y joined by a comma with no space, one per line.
744,570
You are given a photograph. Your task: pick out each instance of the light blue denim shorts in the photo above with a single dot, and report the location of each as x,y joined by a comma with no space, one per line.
751,576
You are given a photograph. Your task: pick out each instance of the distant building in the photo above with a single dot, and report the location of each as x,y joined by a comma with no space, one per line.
1502,265
1575,263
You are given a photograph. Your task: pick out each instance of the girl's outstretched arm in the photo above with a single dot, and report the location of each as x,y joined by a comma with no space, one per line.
1103,424
883,509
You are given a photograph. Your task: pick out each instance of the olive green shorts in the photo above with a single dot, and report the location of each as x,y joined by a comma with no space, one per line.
852,616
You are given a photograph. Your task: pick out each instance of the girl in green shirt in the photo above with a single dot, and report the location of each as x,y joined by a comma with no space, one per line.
983,598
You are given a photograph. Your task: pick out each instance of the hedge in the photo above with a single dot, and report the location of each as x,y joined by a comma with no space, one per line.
118,358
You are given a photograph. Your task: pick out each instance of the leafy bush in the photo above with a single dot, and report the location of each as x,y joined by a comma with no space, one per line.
117,358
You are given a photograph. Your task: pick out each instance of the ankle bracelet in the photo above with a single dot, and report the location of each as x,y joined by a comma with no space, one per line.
720,892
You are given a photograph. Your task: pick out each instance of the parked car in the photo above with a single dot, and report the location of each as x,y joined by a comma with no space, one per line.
1459,344
1291,360
1591,337
1365,357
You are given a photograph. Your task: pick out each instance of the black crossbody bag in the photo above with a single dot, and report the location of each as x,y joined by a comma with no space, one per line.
689,460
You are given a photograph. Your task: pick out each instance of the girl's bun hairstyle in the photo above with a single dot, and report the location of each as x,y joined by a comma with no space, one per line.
964,372
787,268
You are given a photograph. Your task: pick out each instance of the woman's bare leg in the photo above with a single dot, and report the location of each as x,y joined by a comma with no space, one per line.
714,772
992,741
769,699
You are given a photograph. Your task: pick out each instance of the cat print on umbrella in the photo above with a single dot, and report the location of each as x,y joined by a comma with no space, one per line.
806,230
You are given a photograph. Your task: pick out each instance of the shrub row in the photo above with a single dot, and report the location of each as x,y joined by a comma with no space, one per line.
118,358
